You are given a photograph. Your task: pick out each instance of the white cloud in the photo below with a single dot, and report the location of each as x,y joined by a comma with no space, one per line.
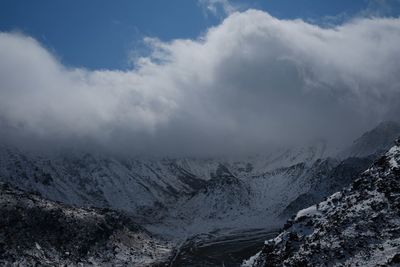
381,8
216,7
250,81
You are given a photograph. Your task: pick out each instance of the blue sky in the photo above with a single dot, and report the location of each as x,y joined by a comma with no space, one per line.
101,34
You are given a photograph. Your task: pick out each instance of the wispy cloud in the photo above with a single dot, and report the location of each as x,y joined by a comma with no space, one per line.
218,8
381,8
373,9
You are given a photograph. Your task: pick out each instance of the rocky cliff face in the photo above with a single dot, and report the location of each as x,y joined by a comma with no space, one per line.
35,231
358,226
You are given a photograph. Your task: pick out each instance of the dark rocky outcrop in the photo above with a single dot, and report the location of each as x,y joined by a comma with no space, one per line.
35,231
358,226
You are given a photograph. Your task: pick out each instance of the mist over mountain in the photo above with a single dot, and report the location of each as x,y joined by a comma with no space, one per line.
225,130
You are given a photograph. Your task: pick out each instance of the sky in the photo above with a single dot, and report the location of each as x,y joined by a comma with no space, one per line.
79,32
195,78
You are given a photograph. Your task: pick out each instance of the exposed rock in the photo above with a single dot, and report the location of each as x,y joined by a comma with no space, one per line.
359,226
35,231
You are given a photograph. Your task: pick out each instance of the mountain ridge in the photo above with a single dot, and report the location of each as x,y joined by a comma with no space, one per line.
357,226
169,196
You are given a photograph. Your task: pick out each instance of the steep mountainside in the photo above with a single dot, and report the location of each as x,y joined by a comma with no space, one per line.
185,196
358,226
328,176
331,175
37,231
375,141
128,183
153,188
85,179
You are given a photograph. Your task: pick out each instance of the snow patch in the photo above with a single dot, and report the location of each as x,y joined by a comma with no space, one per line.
394,156
250,262
310,211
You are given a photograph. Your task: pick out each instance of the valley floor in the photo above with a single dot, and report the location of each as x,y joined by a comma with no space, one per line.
220,248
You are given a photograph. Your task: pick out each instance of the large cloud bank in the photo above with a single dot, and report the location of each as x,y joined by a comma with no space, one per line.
250,81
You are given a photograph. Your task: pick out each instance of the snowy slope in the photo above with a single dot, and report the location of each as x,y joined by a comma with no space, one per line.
358,226
84,179
243,194
334,174
377,140
131,184
39,232
185,196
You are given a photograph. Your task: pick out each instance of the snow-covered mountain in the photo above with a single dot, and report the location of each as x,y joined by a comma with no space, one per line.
181,191
358,226
185,196
269,193
332,174
39,232
86,179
